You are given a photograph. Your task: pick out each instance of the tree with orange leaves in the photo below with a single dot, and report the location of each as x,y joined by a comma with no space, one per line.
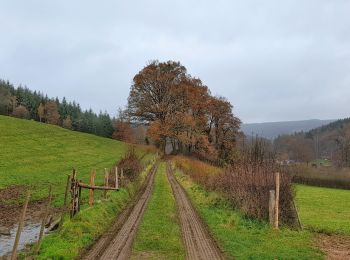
180,110
122,128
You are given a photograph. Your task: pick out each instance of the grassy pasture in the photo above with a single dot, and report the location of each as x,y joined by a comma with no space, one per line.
324,210
35,155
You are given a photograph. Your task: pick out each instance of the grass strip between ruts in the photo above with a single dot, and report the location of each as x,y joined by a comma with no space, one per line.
159,234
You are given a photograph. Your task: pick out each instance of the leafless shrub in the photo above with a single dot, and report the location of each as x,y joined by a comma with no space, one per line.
247,183
330,177
248,189
131,165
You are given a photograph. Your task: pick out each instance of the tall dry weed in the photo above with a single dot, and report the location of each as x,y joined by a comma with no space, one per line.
246,183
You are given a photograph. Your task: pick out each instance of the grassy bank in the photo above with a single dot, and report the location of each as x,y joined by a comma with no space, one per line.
34,155
324,210
243,238
81,231
159,235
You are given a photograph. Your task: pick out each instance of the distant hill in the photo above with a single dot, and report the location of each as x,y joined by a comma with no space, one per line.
271,130
330,141
325,129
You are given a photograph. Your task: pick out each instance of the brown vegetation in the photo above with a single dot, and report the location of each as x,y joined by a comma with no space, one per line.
295,147
131,165
331,142
41,112
182,112
247,183
67,122
123,132
330,177
51,113
20,112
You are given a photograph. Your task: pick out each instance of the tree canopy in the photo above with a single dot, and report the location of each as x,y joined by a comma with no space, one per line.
181,112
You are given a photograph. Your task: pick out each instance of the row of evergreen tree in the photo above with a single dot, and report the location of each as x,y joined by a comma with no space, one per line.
25,103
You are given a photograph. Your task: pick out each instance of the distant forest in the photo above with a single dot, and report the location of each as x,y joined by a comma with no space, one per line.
330,142
24,103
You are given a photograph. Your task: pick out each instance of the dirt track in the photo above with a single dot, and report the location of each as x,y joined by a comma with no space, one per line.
118,242
336,247
197,240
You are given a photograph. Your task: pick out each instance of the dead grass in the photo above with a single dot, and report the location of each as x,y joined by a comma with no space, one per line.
246,185
330,177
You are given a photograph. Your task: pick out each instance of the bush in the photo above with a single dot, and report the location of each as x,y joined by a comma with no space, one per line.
247,183
248,188
131,165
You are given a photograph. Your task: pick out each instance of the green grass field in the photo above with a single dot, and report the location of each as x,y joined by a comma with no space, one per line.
82,230
35,155
324,210
159,235
242,238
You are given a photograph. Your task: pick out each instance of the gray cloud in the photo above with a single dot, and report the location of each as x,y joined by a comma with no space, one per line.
274,60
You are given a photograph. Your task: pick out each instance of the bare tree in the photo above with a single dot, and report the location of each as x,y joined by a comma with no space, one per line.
51,113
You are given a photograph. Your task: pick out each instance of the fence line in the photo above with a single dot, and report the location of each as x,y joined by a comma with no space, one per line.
77,186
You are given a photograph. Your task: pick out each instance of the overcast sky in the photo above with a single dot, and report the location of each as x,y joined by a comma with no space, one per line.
274,60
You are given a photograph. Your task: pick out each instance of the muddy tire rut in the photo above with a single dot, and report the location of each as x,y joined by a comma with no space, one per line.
117,243
197,240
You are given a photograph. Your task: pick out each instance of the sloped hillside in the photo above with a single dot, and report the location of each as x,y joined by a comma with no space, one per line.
34,155
271,130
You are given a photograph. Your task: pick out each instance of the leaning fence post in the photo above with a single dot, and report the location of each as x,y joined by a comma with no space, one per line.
92,183
106,182
65,200
42,228
298,217
66,192
20,226
116,178
277,200
272,207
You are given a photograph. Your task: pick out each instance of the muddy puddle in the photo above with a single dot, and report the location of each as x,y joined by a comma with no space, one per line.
29,235
9,217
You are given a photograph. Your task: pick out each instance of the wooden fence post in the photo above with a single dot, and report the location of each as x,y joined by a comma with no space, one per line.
116,178
298,217
106,182
20,226
66,192
277,200
92,183
272,207
65,200
79,197
74,193
43,223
